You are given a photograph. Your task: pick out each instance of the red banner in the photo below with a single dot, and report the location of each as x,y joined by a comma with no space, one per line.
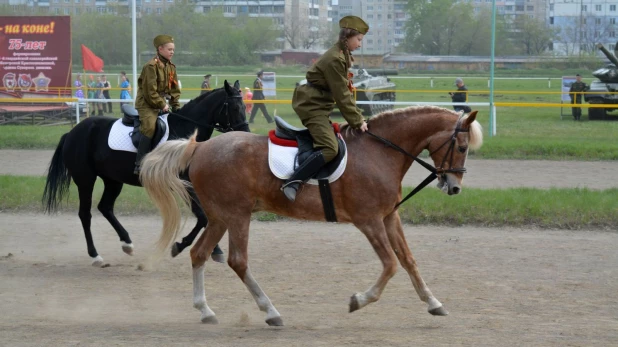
35,57
90,61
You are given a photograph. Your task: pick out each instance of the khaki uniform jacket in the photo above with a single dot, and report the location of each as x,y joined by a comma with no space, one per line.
329,76
158,79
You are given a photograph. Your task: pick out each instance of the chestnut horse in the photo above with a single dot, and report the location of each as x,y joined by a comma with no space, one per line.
231,177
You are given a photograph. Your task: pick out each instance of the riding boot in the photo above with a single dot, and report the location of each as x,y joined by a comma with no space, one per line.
144,147
302,174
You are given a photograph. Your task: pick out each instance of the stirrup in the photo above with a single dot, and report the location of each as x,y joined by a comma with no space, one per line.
287,184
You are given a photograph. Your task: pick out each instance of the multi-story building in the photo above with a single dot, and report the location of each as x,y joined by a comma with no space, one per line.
386,19
582,24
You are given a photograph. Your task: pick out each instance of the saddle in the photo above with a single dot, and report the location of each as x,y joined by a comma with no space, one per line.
304,142
130,118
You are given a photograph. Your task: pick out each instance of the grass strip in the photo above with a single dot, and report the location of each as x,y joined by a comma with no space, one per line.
553,208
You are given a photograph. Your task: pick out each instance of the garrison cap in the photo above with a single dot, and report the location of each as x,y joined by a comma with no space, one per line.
353,22
162,39
207,75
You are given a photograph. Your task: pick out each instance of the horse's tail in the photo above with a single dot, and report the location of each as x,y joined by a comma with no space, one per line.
159,174
58,180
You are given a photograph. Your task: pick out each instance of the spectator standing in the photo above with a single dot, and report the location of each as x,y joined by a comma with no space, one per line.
461,95
79,92
125,87
99,95
247,95
575,93
92,94
206,84
106,88
258,94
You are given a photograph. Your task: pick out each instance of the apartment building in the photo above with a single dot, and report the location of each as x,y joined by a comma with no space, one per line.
583,24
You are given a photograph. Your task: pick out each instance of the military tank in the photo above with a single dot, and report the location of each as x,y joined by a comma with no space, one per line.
371,85
605,89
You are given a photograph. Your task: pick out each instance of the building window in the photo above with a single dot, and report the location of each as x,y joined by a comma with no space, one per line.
206,9
78,10
598,8
612,8
369,8
612,21
584,20
529,8
148,10
159,11
67,11
369,16
597,21
584,8
551,20
57,10
612,34
228,9
519,7
369,42
551,7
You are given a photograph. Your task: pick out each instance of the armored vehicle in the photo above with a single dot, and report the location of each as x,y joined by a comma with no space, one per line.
605,89
372,85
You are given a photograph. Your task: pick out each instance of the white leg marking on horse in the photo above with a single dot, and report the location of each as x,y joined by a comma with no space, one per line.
98,261
367,297
199,297
127,248
433,303
263,302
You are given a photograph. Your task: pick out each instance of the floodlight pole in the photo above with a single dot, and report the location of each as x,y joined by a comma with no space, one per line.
492,113
134,48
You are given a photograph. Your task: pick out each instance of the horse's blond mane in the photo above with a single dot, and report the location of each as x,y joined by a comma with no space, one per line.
476,131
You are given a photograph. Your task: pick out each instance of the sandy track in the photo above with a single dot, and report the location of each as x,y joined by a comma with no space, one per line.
481,173
506,287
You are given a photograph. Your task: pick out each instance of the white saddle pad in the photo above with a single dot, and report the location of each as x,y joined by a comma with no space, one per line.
281,161
120,136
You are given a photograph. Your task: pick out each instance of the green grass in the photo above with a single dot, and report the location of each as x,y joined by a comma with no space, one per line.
554,208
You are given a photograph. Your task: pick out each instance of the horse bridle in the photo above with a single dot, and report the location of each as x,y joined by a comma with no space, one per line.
221,128
434,171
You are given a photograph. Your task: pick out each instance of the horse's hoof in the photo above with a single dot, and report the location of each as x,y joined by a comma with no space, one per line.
275,322
353,303
98,261
219,258
439,311
175,250
127,248
210,320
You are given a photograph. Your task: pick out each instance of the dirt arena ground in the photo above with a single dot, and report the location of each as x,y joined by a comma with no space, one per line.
506,287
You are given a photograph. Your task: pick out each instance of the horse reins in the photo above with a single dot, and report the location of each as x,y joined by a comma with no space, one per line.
228,127
434,171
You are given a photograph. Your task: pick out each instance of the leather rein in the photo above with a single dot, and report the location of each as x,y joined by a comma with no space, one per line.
221,127
434,171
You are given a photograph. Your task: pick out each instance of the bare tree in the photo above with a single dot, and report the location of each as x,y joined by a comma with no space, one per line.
303,33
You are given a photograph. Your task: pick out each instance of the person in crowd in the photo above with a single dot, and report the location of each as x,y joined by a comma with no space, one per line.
125,87
157,84
206,84
99,95
258,94
328,83
79,87
106,88
461,95
92,94
247,95
575,93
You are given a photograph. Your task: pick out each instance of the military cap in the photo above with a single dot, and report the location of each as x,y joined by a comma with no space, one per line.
577,75
207,75
162,39
353,22
260,73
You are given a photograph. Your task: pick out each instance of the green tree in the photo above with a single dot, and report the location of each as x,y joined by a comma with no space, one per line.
532,35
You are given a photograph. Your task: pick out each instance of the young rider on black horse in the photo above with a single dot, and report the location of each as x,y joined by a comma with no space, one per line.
157,82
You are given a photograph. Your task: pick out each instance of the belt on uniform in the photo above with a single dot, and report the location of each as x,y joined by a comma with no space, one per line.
318,87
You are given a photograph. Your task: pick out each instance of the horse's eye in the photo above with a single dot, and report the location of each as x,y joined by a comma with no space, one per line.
462,149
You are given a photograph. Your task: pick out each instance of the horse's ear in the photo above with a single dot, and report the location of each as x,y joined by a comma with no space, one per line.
227,87
471,118
237,85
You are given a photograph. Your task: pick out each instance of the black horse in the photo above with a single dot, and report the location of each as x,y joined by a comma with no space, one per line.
83,154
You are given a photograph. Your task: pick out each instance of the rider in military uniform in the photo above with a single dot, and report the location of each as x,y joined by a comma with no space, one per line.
328,83
576,95
157,82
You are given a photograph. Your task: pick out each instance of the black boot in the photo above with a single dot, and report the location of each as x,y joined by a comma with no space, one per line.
302,174
144,147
